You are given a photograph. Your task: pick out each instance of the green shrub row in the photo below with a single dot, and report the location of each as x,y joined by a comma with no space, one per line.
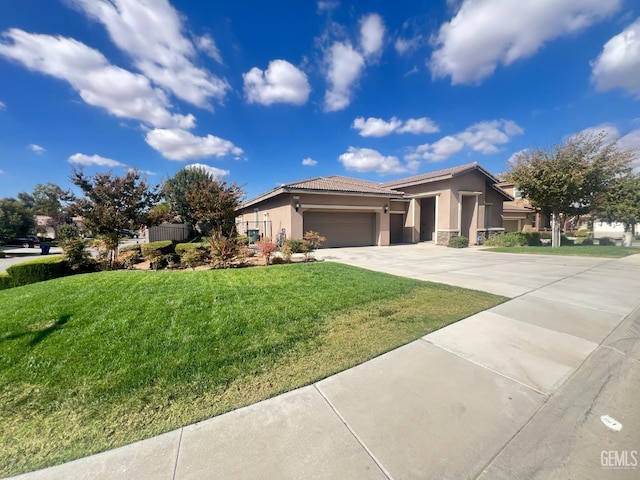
183,248
35,271
515,239
458,242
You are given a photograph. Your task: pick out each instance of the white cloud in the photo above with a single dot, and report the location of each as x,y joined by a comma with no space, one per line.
280,83
406,45
630,140
440,150
208,45
419,125
37,149
1,172
82,159
213,171
2,106
618,66
369,160
177,144
151,32
309,162
372,31
120,92
345,65
483,137
327,6
484,33
377,127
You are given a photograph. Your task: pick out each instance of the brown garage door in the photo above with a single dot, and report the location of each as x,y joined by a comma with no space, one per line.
342,229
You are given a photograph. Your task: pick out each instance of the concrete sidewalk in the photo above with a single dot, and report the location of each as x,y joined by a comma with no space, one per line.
517,391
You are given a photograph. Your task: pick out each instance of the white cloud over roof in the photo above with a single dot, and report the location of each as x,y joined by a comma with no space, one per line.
369,160
177,144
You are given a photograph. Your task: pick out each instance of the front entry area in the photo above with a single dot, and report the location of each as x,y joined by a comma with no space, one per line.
342,229
427,219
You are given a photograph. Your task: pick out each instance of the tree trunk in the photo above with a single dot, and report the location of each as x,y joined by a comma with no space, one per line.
555,230
627,237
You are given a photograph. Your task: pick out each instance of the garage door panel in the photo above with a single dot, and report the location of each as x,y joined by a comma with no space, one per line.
342,229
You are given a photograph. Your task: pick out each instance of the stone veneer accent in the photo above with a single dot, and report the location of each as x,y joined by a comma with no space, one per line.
443,237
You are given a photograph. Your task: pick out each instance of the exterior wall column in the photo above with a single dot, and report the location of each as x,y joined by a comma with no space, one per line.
383,237
413,220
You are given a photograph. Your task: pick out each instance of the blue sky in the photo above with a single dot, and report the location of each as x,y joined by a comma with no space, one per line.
265,93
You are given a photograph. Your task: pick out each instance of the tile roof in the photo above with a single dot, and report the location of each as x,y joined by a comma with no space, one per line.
437,175
337,183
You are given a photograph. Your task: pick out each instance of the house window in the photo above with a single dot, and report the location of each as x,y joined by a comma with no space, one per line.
534,217
488,213
516,192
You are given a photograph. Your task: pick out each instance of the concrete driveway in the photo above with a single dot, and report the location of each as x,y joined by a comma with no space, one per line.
544,386
505,274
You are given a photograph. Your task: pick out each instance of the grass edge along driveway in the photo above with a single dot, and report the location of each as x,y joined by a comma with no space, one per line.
92,362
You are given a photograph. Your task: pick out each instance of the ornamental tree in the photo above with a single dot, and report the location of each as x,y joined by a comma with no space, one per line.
16,219
204,201
568,177
112,203
621,202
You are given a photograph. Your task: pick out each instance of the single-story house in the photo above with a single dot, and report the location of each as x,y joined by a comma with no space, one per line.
435,206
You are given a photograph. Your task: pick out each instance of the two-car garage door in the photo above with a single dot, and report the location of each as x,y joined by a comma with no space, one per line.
342,229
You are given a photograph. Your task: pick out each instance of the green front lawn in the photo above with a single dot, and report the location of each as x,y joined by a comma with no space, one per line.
94,361
573,250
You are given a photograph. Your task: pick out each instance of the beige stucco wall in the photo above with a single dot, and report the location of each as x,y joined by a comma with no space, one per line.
282,214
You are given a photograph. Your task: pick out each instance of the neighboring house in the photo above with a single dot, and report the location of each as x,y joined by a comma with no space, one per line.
347,211
518,215
44,228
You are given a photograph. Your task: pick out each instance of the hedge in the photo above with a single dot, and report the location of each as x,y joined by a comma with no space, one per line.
37,270
157,249
514,239
182,248
5,281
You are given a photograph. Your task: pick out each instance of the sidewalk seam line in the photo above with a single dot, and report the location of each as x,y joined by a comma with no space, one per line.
609,347
175,466
354,434
545,394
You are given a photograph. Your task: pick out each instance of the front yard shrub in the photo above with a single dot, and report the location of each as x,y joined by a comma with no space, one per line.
135,247
38,270
458,242
193,257
223,250
294,245
587,241
242,240
607,241
157,249
76,255
130,257
314,240
266,248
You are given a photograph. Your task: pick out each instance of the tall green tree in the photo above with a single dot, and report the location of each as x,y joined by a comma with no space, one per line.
111,203
567,178
16,219
621,203
204,201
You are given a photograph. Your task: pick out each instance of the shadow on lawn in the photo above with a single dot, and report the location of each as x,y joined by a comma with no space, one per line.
41,334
